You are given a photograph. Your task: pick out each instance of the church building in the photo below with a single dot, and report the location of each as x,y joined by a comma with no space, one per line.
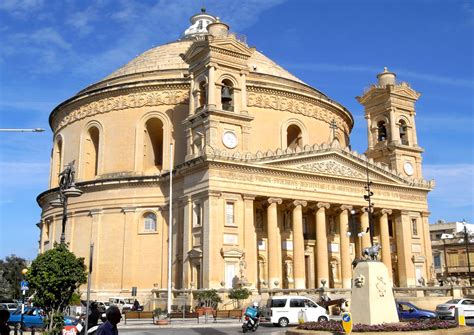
266,192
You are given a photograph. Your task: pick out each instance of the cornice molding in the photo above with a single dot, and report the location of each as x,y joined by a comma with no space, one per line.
166,94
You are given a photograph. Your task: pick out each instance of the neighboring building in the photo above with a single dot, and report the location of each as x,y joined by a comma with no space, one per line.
265,184
449,249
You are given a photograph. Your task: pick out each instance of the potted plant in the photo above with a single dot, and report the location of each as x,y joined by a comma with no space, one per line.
239,294
160,316
207,301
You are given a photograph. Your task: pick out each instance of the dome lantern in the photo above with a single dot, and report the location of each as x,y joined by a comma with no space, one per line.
386,78
199,23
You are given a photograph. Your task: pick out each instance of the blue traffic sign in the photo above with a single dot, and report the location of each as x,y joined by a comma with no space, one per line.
24,286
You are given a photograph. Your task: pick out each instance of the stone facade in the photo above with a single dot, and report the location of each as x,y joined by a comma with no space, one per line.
265,186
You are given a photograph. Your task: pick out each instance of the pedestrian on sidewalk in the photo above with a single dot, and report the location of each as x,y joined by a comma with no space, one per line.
4,316
109,327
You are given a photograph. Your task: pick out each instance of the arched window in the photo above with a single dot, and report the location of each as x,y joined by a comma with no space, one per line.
381,131
91,157
403,128
294,137
57,161
227,95
149,222
153,145
202,94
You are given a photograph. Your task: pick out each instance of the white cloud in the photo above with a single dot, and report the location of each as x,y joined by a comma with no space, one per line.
23,175
454,184
20,8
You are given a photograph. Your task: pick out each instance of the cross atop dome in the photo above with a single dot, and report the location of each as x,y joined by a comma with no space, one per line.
199,23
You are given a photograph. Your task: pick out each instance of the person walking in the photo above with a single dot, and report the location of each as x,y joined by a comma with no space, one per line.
109,327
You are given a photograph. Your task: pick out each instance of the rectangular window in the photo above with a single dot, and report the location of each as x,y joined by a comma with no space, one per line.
229,213
197,214
414,226
437,261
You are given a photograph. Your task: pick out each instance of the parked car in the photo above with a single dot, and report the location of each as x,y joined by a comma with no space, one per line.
122,303
406,310
283,310
33,317
446,310
11,306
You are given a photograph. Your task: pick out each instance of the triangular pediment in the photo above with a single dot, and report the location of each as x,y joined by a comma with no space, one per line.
230,45
406,91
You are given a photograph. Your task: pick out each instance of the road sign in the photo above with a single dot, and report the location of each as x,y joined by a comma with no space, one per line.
347,322
24,286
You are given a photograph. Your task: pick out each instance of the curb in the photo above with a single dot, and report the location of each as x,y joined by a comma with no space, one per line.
451,331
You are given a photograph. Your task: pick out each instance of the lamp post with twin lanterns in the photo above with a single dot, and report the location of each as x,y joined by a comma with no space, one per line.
67,189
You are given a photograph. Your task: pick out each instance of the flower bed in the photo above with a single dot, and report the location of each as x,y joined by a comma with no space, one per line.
335,326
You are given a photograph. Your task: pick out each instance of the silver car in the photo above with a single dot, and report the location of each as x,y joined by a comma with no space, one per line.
11,306
446,310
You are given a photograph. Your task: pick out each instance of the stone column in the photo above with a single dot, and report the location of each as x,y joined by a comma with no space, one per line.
346,271
364,225
243,92
406,269
274,243
127,274
187,241
385,240
427,243
370,136
250,241
394,134
212,262
298,245
211,88
192,95
322,261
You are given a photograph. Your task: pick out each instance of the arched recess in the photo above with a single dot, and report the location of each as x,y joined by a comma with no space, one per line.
201,93
56,160
153,138
228,93
91,148
380,130
403,129
262,272
293,134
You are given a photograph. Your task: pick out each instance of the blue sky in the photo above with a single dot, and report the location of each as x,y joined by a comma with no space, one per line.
49,50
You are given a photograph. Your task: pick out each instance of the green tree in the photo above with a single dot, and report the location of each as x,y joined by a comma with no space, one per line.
208,298
55,276
239,294
10,271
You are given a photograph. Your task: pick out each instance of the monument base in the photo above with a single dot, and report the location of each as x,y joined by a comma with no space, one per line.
372,300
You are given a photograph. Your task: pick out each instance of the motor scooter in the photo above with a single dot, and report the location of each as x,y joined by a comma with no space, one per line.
250,324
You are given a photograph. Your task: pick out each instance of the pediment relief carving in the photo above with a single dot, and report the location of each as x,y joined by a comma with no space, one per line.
333,168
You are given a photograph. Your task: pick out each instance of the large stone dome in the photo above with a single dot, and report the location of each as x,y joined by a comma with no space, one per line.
166,58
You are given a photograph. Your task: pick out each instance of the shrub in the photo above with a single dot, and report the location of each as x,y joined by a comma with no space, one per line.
413,325
239,294
208,298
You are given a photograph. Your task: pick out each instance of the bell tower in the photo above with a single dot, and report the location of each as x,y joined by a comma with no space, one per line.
218,70
390,113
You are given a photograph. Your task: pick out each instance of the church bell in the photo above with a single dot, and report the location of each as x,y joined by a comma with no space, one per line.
226,97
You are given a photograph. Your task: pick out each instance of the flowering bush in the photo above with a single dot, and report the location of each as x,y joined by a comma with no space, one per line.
412,325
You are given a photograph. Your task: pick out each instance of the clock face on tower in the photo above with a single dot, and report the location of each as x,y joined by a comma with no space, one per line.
229,139
408,168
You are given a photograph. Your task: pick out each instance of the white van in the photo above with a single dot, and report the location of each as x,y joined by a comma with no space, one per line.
283,310
122,303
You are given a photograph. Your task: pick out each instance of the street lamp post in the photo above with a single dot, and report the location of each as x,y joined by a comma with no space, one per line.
370,206
24,287
67,189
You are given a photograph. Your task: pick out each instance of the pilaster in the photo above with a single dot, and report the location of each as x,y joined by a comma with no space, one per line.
406,269
213,268
250,240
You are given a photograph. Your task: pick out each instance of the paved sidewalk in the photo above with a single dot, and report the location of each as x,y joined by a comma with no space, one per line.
180,323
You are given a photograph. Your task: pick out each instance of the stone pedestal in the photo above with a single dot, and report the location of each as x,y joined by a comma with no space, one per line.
372,300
